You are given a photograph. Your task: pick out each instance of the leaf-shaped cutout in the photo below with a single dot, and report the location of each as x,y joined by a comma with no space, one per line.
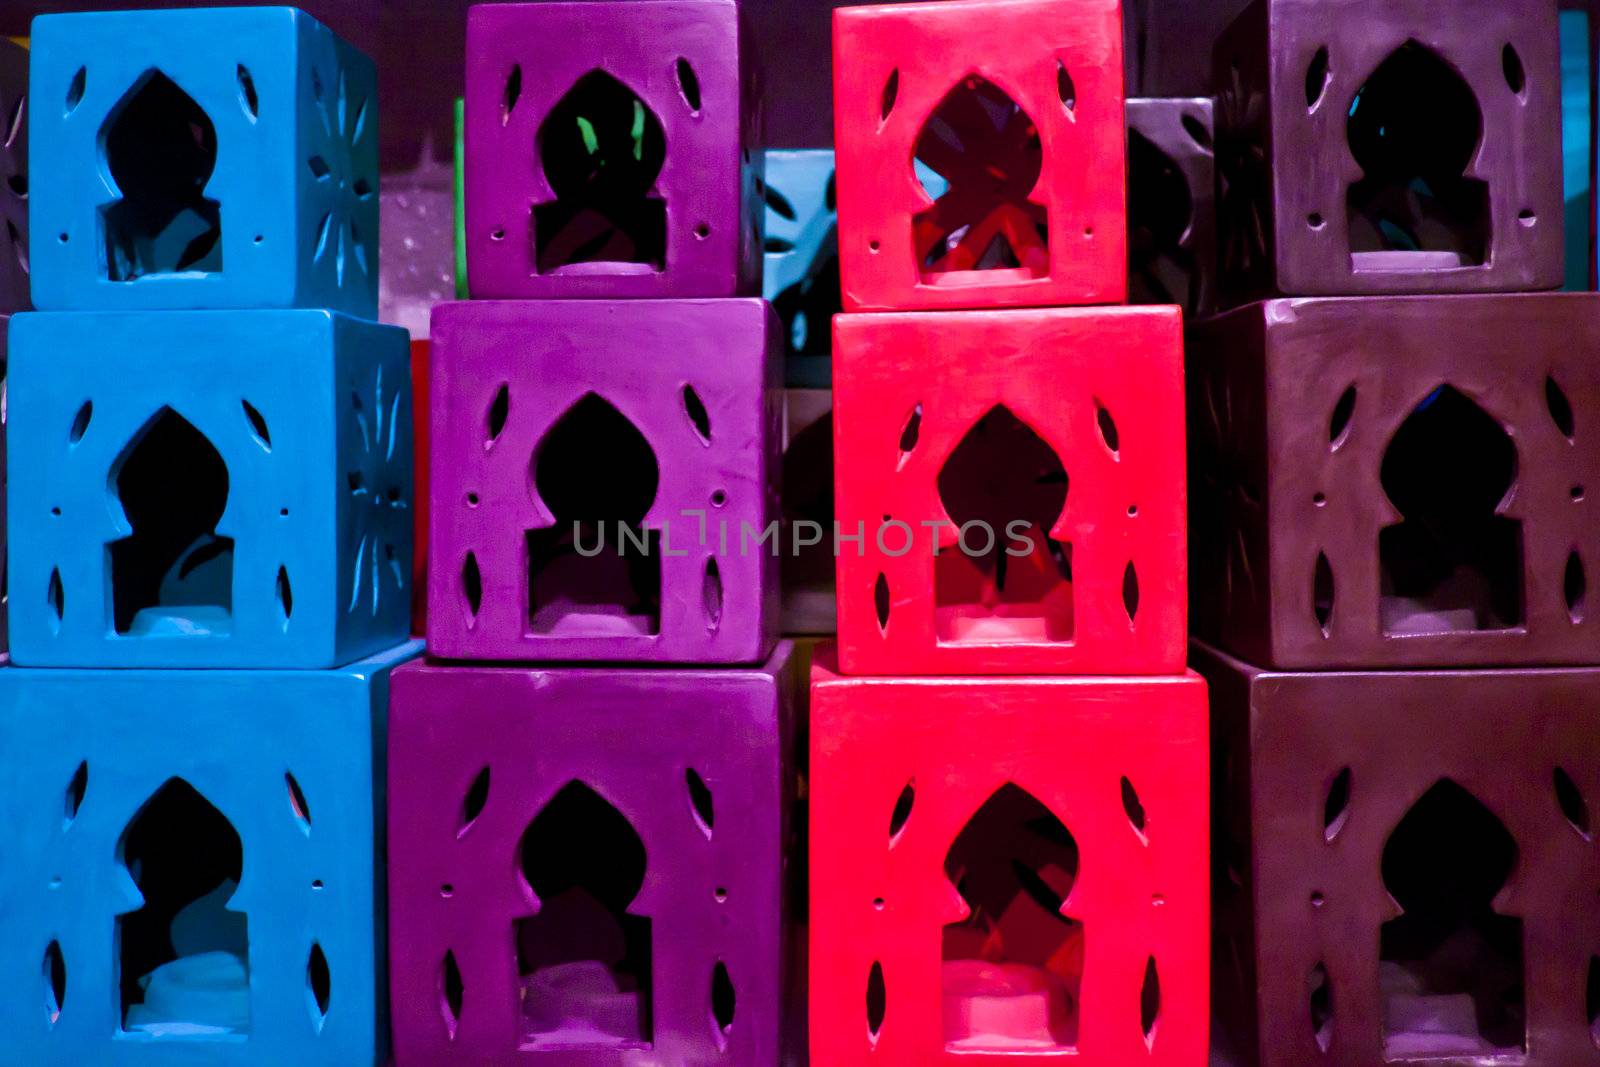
473,801
75,89
1570,799
1516,74
1198,132
1322,593
1108,428
700,802
1574,586
711,594
723,1001
451,992
880,601
910,432
1130,591
499,411
1320,1001
54,973
779,205
77,786
319,168
1336,808
511,94
80,422
472,584
696,410
297,803
319,986
1343,411
1318,76
1065,89
1150,1002
891,93
362,188
902,810
56,598
1133,807
247,93
688,84
258,425
285,596
877,1001
1560,408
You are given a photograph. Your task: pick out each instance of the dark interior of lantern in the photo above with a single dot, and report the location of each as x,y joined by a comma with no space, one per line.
1160,212
1013,969
583,961
1005,480
1414,127
989,152
183,957
1451,969
597,570
173,575
1452,563
160,148
602,150
808,572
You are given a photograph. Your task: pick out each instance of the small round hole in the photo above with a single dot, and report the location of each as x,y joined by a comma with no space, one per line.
722,894
1317,900
1133,511
1577,492
873,247
260,238
1527,218
472,500
879,903
62,238
1158,901
1316,221
447,890
719,498
1320,500
317,884
1088,232
702,231
283,513
55,511
498,235
55,883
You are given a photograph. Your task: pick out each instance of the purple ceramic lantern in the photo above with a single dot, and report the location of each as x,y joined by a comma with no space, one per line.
590,864
604,481
613,150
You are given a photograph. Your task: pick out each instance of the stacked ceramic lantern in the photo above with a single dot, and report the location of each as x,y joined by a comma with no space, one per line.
587,857
1393,476
14,240
1008,759
210,457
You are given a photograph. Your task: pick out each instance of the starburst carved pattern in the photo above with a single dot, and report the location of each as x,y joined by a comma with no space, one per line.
377,487
347,126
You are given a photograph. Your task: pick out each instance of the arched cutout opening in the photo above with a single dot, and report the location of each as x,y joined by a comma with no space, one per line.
1452,563
602,150
1451,969
173,575
597,570
1414,128
160,149
988,149
584,961
808,571
1013,969
183,956
1160,213
1009,580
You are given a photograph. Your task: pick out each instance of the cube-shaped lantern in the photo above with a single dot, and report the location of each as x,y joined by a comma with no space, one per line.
13,177
1397,482
1172,204
1404,864
613,150
604,481
1008,870
208,489
1018,106
192,866
1389,150
221,158
1013,484
594,865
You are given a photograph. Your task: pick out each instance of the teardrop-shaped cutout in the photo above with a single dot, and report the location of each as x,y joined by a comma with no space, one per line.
1322,593
258,425
1198,132
319,986
285,597
80,422
700,802
689,85
1343,411
711,594
1574,586
891,93
75,89
1133,807
696,410
1130,591
1150,1002
723,999
1065,89
55,596
1336,809
1108,428
499,411
54,973
910,433
1320,998
779,205
902,810
297,803
472,584
76,788
473,801
880,601
1511,65
1570,799
877,1001
1560,408
1318,76
511,94
247,93
451,992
